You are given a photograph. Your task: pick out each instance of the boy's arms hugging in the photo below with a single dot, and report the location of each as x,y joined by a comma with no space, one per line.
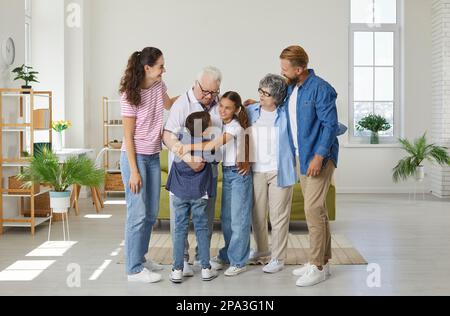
198,147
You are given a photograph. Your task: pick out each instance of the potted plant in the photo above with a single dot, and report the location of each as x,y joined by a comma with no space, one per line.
375,124
59,127
45,168
27,74
419,151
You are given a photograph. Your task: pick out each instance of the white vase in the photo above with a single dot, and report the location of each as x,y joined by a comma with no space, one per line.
57,142
420,173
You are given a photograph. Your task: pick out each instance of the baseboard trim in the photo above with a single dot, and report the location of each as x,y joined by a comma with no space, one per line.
379,190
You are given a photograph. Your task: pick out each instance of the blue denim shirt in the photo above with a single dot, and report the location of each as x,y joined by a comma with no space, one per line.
287,176
317,121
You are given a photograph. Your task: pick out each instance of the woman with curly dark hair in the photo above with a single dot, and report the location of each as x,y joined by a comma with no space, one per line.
143,99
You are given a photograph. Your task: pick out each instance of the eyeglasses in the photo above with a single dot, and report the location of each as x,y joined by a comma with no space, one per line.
264,93
206,92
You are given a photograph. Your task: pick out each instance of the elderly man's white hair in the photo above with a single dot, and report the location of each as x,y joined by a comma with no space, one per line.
212,73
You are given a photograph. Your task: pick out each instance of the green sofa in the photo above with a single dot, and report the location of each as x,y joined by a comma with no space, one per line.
297,213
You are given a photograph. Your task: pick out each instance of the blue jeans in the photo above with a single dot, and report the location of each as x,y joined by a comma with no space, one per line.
210,210
183,210
142,209
237,204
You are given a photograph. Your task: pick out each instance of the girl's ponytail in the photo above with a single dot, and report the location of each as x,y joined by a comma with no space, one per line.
243,118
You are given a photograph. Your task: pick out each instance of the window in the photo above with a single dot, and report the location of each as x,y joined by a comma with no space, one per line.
375,66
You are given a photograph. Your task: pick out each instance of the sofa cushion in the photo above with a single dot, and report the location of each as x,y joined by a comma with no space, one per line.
164,157
164,176
297,211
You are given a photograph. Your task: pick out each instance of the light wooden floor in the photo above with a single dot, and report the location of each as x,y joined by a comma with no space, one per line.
408,243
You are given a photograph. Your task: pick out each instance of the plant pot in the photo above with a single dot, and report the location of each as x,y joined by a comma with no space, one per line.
26,87
374,138
59,201
113,145
420,173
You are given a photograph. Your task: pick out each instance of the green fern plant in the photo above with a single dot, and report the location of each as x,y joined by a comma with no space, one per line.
418,151
45,168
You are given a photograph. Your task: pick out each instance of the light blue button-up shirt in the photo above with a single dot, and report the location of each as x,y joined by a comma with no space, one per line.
287,175
317,121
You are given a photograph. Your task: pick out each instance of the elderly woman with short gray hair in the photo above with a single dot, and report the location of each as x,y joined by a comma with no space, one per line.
273,156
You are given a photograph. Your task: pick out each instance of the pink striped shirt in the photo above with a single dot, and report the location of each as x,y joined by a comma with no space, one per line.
149,119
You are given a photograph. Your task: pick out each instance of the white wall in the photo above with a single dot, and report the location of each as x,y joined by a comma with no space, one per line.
370,168
441,92
59,53
244,39
75,73
48,51
12,24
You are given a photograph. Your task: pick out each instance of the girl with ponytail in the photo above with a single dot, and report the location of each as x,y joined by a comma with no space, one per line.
237,187
143,99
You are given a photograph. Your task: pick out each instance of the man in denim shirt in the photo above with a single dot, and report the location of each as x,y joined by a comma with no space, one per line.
313,121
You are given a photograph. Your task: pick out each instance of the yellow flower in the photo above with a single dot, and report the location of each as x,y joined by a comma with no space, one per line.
61,125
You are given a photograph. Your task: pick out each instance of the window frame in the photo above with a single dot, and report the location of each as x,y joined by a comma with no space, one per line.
397,68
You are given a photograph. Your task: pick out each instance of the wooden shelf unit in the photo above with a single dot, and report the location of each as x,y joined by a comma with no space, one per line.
26,98
106,103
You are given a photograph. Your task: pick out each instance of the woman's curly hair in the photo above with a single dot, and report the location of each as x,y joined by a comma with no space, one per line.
130,85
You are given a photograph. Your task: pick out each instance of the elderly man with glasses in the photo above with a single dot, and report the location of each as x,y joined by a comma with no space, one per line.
203,96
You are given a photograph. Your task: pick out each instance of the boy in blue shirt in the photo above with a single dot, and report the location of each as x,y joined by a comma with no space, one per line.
191,191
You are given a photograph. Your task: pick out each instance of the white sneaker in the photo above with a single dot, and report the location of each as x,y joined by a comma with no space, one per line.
233,271
197,266
303,269
209,274
145,276
312,277
176,276
273,266
216,263
153,266
187,270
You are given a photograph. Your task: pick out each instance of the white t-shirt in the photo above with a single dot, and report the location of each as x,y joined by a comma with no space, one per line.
233,148
265,143
293,117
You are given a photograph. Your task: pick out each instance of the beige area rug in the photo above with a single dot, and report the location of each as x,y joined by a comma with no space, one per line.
298,248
